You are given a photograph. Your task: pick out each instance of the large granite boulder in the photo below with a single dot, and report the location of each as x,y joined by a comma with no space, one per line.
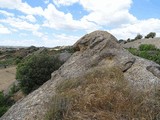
97,49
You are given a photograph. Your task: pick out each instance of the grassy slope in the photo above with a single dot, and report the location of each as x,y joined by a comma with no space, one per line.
101,94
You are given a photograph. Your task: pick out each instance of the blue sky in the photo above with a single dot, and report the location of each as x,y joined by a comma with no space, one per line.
62,22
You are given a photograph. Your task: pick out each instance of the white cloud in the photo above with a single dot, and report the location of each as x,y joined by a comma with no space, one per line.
29,18
38,34
142,26
108,12
46,1
60,40
13,29
109,6
27,9
59,20
24,42
64,2
10,4
24,22
4,30
102,13
17,24
6,13
21,6
20,24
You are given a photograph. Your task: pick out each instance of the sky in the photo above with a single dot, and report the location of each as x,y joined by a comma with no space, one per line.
53,23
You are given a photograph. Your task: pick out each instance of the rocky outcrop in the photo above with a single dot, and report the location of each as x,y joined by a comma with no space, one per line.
64,56
98,48
155,70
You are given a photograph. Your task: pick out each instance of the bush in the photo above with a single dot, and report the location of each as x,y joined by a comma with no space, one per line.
17,60
147,47
147,51
35,70
139,36
151,35
133,51
7,62
15,88
5,103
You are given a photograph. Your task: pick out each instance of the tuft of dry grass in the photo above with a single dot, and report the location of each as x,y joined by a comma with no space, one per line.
102,94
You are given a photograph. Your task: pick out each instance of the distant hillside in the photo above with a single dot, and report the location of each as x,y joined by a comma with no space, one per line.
136,43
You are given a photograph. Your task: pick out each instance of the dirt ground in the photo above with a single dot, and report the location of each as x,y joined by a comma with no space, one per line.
7,77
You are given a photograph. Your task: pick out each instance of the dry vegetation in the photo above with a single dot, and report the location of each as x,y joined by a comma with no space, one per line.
7,77
102,95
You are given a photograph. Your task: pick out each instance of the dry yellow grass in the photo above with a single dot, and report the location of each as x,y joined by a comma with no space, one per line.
7,77
102,94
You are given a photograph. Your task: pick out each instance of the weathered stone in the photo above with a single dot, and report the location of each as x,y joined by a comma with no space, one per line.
97,49
155,70
64,56
128,64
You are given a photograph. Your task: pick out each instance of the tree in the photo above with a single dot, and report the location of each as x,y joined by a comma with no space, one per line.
151,35
128,40
139,36
35,70
121,41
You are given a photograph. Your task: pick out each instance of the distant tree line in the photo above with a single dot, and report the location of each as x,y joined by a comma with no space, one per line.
139,36
151,35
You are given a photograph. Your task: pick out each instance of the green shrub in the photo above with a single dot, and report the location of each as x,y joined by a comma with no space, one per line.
13,89
147,47
147,51
35,70
5,103
133,51
17,60
7,62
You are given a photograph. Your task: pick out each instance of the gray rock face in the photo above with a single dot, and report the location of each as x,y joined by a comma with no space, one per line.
100,49
64,56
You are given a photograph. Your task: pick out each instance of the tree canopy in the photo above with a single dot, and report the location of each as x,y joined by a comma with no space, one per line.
36,70
151,35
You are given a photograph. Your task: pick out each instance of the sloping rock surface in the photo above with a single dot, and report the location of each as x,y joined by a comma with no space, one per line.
98,48
137,43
